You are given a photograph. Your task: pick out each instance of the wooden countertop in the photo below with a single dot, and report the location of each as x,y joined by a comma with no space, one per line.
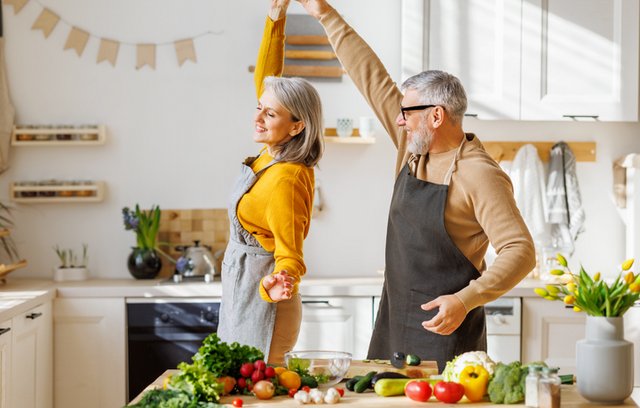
569,399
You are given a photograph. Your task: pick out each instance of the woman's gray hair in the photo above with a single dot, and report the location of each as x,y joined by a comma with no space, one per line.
302,100
440,88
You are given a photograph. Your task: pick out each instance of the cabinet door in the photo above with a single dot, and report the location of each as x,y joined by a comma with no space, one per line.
89,353
5,363
479,42
550,332
580,57
32,359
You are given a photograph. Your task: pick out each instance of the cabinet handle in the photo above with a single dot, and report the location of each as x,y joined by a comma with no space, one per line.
6,330
471,115
33,315
594,117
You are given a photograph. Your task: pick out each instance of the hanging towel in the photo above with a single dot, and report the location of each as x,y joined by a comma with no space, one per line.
527,176
6,109
620,178
564,204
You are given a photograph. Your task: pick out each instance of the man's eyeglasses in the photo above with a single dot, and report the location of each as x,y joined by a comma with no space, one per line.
414,108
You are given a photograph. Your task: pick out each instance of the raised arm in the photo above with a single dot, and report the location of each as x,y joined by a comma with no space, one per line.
270,61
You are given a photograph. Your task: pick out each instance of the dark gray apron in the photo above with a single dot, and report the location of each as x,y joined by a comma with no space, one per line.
422,263
244,316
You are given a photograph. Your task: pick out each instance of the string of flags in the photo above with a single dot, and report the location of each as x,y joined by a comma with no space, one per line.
108,50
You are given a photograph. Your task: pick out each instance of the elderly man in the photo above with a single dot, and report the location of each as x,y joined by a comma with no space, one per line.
450,200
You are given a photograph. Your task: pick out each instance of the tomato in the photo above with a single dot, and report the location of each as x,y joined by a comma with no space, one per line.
246,370
264,389
257,376
237,402
306,388
449,392
292,392
340,391
229,383
418,390
269,372
260,365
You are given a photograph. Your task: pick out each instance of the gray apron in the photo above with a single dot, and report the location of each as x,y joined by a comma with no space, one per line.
244,316
422,263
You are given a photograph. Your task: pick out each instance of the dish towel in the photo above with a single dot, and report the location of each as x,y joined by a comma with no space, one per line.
620,178
527,176
564,204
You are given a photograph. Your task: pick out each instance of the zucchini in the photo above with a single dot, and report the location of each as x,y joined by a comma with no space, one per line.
309,381
352,382
364,382
412,360
388,387
386,374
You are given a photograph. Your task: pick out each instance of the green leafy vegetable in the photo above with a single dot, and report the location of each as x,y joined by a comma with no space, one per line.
196,380
224,359
301,366
171,399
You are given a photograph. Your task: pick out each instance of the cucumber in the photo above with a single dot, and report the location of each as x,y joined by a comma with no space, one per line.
352,382
364,382
309,381
412,360
386,374
388,387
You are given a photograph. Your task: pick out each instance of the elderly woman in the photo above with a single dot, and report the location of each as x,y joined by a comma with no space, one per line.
270,206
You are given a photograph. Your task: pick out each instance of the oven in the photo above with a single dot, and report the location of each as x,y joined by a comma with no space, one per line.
162,332
503,329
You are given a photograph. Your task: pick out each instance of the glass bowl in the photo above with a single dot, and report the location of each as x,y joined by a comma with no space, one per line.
333,364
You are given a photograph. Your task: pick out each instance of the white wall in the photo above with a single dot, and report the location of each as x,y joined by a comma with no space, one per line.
176,136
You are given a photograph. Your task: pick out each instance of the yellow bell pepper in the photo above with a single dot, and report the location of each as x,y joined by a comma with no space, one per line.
475,379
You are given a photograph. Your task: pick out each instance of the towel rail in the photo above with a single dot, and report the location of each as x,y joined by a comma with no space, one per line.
584,151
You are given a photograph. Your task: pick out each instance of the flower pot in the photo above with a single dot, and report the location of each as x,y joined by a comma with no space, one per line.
604,361
144,263
70,274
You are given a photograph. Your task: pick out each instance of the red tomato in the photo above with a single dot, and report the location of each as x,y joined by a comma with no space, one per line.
269,372
246,370
449,392
260,365
418,390
237,402
306,388
292,392
264,389
340,391
257,376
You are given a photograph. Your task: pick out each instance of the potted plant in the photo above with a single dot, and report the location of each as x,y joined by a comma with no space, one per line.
144,262
72,267
604,353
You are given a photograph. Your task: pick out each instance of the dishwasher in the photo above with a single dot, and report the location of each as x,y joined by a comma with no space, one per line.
504,317
163,332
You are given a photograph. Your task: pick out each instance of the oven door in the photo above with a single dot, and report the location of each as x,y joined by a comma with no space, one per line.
161,333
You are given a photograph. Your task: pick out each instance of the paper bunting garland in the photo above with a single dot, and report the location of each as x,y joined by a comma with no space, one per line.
108,50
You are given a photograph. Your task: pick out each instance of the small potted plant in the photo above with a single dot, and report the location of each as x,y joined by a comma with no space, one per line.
72,267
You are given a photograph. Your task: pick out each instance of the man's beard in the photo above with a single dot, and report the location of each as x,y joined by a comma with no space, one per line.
420,140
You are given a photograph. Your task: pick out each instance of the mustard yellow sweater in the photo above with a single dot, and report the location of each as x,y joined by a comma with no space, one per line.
277,209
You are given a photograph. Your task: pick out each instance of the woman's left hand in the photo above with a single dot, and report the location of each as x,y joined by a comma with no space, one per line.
278,9
279,286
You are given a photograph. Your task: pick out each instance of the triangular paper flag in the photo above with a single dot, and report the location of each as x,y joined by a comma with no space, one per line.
146,54
77,40
17,4
46,22
185,51
108,51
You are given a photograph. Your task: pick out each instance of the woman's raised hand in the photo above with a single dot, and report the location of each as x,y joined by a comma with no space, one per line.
279,286
315,8
278,9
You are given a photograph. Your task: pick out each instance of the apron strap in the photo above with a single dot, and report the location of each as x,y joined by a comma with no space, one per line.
452,168
254,250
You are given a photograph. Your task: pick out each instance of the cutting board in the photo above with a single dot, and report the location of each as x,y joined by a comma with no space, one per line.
362,367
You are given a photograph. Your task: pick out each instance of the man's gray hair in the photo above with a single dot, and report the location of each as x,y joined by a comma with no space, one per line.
440,88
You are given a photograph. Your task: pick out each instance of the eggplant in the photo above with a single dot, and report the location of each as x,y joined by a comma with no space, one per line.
397,360
386,374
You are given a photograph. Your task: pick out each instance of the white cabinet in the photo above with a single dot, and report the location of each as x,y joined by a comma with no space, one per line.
550,332
5,363
336,323
32,358
531,59
89,353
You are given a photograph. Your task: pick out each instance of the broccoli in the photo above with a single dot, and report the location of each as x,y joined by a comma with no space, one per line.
507,384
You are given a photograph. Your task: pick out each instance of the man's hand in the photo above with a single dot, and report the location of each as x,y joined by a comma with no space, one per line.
278,9
450,315
316,8
278,286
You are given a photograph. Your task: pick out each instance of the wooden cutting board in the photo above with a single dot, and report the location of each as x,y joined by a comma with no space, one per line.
362,367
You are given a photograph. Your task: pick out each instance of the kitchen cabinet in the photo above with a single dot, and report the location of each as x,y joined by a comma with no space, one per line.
336,323
533,59
32,358
89,352
550,332
87,135
5,363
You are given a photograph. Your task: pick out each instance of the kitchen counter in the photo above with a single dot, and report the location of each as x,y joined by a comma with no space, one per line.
21,297
569,398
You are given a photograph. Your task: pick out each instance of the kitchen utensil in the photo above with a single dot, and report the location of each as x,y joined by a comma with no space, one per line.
202,260
334,364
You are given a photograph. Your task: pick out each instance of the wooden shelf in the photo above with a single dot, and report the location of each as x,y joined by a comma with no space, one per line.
350,140
57,193
5,269
58,136
506,151
307,40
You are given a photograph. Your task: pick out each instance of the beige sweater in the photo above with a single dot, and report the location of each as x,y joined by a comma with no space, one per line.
480,205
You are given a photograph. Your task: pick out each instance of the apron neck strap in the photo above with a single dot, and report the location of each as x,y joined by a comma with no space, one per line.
452,167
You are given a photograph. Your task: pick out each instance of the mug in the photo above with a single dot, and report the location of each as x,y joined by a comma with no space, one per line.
366,126
344,127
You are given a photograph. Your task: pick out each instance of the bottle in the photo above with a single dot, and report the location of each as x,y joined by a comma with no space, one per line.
549,388
531,386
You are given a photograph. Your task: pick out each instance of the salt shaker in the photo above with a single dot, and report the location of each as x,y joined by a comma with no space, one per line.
549,388
531,386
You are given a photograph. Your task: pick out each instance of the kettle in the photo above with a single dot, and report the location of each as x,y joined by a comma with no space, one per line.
201,261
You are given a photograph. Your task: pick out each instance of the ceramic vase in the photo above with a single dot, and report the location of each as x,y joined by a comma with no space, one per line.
604,361
144,263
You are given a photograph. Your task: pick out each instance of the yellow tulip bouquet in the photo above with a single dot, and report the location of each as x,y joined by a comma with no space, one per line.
593,295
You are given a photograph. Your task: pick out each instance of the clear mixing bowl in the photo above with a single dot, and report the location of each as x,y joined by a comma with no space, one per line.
333,364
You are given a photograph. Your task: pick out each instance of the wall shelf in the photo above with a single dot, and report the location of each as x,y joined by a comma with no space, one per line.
58,136
506,151
63,192
331,136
